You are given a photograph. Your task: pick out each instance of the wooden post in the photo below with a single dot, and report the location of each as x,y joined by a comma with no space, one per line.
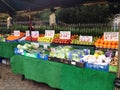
0,70
118,66
30,24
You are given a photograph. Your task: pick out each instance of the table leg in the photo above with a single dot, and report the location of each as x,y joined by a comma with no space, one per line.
23,77
0,69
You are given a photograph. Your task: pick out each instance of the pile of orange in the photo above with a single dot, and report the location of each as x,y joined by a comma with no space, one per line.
106,44
12,37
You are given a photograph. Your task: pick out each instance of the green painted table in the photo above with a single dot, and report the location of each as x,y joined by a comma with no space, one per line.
63,76
7,49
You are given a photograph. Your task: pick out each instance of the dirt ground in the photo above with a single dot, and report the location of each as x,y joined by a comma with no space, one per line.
11,81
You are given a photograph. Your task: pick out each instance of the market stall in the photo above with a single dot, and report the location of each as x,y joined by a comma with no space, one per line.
58,58
59,75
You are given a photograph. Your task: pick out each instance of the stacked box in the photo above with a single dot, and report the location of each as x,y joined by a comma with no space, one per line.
112,68
97,66
34,55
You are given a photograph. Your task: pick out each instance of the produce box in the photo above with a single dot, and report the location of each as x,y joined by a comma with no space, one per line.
65,61
112,68
18,51
43,56
59,60
79,64
35,55
54,59
97,66
12,40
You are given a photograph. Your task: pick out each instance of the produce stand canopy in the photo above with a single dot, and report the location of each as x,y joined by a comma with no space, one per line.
10,6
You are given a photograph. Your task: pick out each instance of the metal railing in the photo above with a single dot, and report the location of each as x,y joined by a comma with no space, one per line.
96,29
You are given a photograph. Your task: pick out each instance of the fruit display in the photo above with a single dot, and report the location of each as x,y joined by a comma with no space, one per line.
45,39
57,35
61,41
33,39
64,41
106,44
14,38
100,60
77,41
98,53
42,38
41,35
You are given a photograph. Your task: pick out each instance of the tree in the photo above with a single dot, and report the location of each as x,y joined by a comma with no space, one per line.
88,14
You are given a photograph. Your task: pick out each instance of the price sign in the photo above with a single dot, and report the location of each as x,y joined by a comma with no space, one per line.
73,63
27,33
45,46
49,33
35,34
111,36
17,33
65,34
53,50
86,38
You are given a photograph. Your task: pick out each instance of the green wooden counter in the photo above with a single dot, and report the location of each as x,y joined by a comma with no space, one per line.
63,76
7,49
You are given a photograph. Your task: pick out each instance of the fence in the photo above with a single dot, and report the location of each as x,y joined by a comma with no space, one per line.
96,29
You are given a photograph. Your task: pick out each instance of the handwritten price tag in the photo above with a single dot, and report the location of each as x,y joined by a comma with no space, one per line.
17,33
65,34
27,33
49,33
35,34
86,38
111,36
